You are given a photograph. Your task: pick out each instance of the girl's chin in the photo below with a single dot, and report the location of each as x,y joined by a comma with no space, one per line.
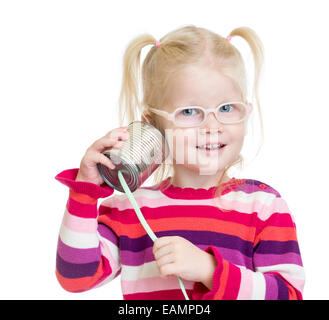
206,168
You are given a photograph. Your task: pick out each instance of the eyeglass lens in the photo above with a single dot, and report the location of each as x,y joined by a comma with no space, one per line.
228,113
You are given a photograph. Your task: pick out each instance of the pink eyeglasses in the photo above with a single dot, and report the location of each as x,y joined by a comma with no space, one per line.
194,116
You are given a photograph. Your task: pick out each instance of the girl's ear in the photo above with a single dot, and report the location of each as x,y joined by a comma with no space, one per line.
147,118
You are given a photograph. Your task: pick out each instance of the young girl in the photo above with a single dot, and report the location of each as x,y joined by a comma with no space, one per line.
226,238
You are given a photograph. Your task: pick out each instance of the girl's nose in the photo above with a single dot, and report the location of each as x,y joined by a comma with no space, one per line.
212,123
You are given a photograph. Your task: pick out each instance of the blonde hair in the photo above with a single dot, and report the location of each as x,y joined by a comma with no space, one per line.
179,48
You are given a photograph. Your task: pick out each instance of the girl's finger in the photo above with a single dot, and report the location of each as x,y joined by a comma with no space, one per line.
119,135
94,157
107,142
163,251
168,258
114,131
118,145
103,143
160,242
105,161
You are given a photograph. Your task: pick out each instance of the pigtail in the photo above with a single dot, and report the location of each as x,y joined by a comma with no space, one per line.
257,50
133,77
129,101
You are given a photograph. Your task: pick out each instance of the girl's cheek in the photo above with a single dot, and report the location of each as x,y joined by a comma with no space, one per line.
182,144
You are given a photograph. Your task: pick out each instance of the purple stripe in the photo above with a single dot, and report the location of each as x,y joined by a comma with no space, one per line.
283,293
250,186
262,260
74,270
234,256
130,258
277,247
135,255
196,237
271,287
107,233
75,255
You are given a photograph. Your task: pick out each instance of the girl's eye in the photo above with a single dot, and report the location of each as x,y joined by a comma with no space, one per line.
226,108
189,111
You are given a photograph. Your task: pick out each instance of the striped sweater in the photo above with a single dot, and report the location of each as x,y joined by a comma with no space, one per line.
253,240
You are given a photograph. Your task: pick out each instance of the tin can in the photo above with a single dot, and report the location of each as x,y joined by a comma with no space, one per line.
138,158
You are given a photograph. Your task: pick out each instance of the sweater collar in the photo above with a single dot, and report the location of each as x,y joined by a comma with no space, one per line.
176,192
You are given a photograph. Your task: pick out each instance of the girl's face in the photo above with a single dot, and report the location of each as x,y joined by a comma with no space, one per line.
202,86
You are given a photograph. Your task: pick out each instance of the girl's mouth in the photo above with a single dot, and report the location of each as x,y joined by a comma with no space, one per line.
212,147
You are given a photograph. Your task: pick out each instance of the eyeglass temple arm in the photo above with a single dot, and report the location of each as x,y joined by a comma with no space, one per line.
161,113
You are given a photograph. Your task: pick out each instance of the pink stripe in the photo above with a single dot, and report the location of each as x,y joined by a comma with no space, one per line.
196,211
162,201
246,285
153,284
297,283
278,220
158,295
233,283
82,210
265,211
278,205
78,224
107,253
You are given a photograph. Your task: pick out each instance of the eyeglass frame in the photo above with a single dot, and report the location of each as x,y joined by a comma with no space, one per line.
171,115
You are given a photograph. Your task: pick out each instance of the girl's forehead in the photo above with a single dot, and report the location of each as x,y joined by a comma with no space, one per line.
201,86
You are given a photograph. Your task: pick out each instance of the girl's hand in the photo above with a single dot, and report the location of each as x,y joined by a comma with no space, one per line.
178,256
88,167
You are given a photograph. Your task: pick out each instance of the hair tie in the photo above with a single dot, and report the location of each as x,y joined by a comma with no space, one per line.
157,44
229,38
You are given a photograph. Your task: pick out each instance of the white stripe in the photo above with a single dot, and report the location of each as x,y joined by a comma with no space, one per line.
78,240
113,249
292,273
241,196
278,205
151,194
147,270
114,255
258,287
286,270
82,223
120,201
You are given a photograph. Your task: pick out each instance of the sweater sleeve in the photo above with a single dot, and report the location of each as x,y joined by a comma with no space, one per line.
87,251
278,271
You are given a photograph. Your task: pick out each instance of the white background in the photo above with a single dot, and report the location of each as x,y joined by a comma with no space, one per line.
60,76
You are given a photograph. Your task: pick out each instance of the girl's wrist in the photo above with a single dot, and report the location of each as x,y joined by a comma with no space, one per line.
209,269
82,179
79,178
